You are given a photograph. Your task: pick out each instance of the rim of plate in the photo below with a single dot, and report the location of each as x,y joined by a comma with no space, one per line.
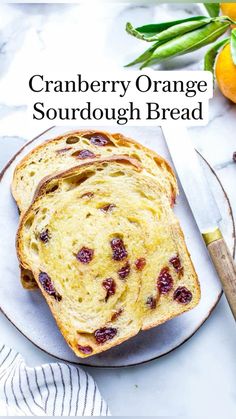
2,173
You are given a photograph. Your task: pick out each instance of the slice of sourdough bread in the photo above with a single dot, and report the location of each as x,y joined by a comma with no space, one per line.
69,150
107,253
72,148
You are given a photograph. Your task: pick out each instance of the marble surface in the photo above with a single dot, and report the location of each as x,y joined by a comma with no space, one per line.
199,377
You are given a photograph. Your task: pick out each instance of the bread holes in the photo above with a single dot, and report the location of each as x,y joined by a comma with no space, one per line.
121,143
149,157
87,195
100,182
153,212
84,141
136,156
35,248
43,217
100,169
145,195
77,180
118,173
133,220
28,223
72,140
52,188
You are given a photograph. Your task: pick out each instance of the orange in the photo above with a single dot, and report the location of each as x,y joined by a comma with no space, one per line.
225,70
229,9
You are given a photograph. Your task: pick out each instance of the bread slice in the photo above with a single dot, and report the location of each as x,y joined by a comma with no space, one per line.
69,150
72,148
107,253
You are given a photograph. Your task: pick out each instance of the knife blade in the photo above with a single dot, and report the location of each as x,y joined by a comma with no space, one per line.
203,206
192,178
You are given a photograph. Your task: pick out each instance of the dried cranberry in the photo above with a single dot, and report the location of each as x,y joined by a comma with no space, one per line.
119,251
83,154
234,157
85,349
87,195
124,271
108,208
44,236
164,281
116,314
104,334
85,255
48,286
110,286
182,295
151,302
99,139
140,263
176,263
63,150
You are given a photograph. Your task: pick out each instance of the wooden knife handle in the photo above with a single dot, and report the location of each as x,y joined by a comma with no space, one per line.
226,269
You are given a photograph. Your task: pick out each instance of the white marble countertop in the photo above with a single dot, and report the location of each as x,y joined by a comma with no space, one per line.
199,377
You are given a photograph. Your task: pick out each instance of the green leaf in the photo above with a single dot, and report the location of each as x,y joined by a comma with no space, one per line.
145,56
189,42
210,57
155,28
213,9
171,32
233,45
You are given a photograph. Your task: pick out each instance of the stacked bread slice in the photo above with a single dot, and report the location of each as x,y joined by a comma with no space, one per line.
100,238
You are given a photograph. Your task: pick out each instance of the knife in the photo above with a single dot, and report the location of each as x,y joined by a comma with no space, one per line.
203,206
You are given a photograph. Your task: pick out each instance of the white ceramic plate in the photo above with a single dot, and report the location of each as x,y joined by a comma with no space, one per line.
30,314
